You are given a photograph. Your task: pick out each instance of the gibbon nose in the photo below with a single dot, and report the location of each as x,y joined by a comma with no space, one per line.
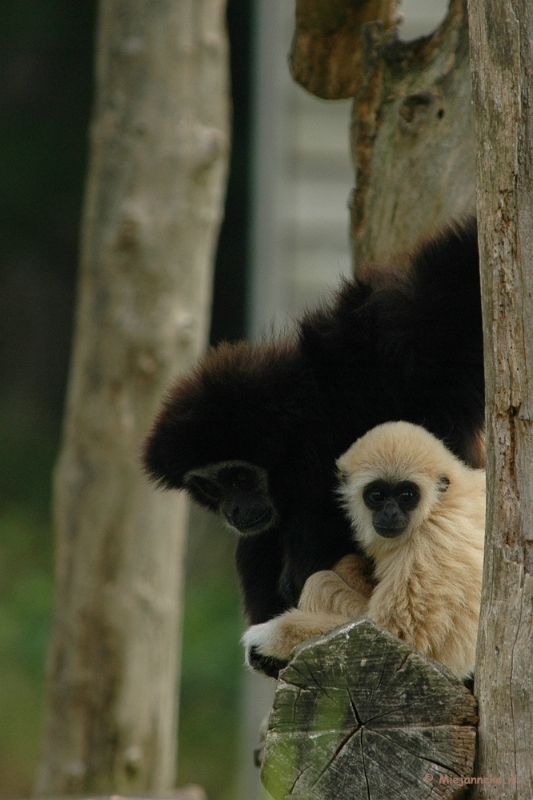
390,511
240,517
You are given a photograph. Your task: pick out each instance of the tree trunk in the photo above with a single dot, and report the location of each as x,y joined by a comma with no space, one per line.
360,715
413,140
159,145
502,69
412,136
327,55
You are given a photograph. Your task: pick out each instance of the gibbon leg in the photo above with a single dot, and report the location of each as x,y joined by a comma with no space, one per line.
278,637
326,601
343,591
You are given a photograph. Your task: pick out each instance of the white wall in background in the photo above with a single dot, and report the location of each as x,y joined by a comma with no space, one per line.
302,178
421,17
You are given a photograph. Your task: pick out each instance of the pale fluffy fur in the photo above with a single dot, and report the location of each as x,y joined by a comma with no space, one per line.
329,598
428,579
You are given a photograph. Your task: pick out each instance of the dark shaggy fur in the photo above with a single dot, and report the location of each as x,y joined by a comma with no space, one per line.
388,348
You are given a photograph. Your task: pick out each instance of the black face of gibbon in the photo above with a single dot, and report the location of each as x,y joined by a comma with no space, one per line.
391,504
238,491
253,432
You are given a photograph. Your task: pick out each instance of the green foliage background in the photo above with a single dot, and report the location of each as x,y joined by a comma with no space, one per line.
46,53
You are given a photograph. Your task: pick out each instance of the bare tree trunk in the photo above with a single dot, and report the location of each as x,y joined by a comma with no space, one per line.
412,137
502,69
159,145
327,54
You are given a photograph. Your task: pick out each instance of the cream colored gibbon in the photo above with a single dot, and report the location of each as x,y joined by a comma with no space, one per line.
419,513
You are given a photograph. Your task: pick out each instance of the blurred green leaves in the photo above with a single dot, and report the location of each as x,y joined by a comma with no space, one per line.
212,665
25,590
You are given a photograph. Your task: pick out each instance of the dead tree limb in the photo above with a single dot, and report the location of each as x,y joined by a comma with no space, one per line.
412,135
326,55
413,145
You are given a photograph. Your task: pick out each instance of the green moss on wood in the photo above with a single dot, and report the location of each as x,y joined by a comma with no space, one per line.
358,713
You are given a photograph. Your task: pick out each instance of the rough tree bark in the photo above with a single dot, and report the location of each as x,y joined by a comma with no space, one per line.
327,54
412,138
502,69
364,716
159,144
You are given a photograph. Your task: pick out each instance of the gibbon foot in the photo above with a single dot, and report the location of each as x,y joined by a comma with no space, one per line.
277,638
268,665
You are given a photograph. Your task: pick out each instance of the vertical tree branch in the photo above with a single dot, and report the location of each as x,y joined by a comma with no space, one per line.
327,55
412,141
412,137
502,70
159,143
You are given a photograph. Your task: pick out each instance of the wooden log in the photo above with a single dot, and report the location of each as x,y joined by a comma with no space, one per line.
412,139
412,134
326,53
360,714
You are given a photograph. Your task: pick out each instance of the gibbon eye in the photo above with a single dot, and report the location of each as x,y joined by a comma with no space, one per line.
374,496
409,496
244,479
209,488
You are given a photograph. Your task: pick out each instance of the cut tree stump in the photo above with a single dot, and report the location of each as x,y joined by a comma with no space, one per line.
360,714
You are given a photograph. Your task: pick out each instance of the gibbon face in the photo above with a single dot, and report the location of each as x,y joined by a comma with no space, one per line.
390,481
238,491
391,505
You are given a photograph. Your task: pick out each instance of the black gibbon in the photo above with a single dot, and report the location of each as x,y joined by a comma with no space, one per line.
253,431
419,513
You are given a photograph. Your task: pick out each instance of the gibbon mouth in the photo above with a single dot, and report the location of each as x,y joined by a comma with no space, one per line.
258,524
389,533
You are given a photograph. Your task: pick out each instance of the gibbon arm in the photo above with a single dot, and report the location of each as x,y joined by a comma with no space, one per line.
326,602
343,591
